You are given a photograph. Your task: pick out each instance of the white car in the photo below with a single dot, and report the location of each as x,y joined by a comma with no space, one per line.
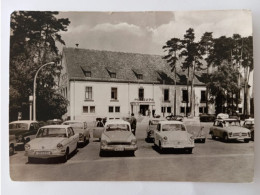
52,141
81,129
173,134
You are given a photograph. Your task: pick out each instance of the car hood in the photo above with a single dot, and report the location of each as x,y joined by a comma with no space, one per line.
176,135
118,136
46,143
237,129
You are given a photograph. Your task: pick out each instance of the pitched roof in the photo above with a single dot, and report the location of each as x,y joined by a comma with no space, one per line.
153,68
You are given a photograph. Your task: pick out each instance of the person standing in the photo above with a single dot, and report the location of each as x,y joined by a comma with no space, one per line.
133,123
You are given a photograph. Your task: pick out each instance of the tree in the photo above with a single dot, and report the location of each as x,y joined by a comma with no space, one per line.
173,47
192,60
32,43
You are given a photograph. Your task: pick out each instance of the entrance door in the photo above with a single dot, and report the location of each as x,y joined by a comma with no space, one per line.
144,109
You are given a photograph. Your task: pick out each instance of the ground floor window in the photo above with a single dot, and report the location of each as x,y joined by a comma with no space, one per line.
110,109
117,109
240,110
169,109
183,109
85,109
88,109
92,109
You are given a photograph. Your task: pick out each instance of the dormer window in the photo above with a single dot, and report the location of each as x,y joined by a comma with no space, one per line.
140,76
87,73
113,75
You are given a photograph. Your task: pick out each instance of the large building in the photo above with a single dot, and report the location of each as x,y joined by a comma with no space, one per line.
116,84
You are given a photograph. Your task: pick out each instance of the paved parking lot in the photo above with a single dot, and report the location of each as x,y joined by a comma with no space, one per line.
214,161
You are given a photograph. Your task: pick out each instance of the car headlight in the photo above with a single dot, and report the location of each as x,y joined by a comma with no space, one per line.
133,141
27,146
165,138
103,142
230,134
59,146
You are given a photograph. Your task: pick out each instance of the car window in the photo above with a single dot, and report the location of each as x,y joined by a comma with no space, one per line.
117,127
158,127
51,132
72,131
69,132
173,127
20,126
31,128
100,124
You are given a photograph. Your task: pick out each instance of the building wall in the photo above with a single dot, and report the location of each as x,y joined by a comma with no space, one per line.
127,99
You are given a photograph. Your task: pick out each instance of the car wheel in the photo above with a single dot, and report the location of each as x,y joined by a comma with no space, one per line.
213,136
101,153
11,150
30,160
132,153
225,137
246,140
189,150
160,147
203,140
66,156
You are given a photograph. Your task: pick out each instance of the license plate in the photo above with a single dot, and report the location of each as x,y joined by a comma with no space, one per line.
43,153
119,149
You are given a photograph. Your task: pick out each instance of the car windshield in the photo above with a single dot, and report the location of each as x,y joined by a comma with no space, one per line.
74,124
231,123
249,123
117,127
51,132
155,122
20,126
173,127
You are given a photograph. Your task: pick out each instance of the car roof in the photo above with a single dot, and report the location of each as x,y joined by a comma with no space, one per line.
228,119
73,121
56,126
158,119
117,121
170,122
250,119
23,121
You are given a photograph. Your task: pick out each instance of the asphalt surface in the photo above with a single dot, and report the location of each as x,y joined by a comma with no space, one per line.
213,161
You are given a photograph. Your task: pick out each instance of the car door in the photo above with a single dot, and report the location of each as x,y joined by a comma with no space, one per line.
74,138
156,134
219,129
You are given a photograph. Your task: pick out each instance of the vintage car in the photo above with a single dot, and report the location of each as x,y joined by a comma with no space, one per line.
229,129
23,130
151,127
174,117
81,129
117,136
250,124
173,134
52,141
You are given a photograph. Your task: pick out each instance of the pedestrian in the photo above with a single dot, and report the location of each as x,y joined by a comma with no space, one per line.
133,123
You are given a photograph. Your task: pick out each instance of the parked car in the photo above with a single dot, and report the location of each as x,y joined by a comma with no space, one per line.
174,117
54,122
173,134
23,130
151,127
229,129
117,136
81,129
52,141
250,124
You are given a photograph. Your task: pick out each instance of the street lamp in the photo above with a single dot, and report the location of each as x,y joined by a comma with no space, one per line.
34,88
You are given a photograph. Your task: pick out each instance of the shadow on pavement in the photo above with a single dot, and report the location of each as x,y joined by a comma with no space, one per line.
170,151
117,154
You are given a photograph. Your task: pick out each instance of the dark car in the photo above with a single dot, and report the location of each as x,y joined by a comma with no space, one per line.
174,118
23,130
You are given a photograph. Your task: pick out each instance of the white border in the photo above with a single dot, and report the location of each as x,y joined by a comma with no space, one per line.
64,188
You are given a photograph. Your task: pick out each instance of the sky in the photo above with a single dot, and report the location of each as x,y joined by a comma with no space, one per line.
147,32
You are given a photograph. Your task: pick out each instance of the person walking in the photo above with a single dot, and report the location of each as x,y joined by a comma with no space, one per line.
133,123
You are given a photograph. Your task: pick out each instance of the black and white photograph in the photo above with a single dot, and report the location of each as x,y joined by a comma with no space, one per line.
131,96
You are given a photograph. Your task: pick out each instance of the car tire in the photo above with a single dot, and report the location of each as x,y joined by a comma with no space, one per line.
66,156
225,138
132,153
213,136
246,140
203,140
11,150
160,147
101,153
30,160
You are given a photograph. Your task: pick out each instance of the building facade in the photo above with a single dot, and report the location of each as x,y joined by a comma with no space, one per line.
116,84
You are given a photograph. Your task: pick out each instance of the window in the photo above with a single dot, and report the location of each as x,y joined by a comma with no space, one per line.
92,109
166,94
240,110
110,109
203,96
85,109
114,93
87,73
88,93
113,75
163,109
187,109
169,109
182,109
141,93
185,95
117,109
200,109
139,76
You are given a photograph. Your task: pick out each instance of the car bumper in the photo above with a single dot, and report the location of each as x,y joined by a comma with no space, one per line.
119,148
45,154
173,145
239,138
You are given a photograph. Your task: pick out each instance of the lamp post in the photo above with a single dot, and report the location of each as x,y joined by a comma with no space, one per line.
30,101
34,88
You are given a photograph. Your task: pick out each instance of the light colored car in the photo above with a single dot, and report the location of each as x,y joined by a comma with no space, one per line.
151,127
250,124
23,130
117,136
81,129
229,129
52,141
173,134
